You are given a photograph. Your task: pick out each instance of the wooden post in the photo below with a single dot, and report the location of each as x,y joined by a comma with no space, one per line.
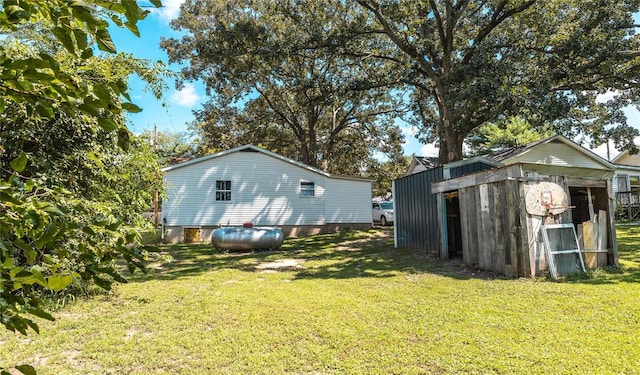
592,214
441,206
613,254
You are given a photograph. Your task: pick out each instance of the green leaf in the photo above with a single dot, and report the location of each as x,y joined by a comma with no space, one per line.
88,230
64,36
86,53
102,283
16,13
44,110
95,158
132,12
102,92
36,273
131,108
123,139
103,38
133,28
81,39
41,314
59,282
53,64
107,124
26,369
52,209
113,273
20,163
33,325
117,21
31,255
157,3
47,236
90,108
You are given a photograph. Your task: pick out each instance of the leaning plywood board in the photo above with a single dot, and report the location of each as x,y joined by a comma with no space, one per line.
589,235
602,230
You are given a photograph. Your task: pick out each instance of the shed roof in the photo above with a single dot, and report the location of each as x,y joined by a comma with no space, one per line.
252,148
428,161
425,162
518,154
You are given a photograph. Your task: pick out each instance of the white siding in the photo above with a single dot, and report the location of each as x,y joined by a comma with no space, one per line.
626,172
265,191
348,201
557,154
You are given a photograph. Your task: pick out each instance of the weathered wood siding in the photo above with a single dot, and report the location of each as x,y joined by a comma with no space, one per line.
416,213
497,232
490,216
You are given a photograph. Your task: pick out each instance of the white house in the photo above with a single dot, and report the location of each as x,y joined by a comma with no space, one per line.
422,163
627,173
250,184
626,185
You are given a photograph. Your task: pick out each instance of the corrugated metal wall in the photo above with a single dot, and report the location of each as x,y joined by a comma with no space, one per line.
468,169
416,211
416,208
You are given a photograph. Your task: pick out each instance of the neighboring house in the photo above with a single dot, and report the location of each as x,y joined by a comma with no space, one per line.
476,208
250,184
626,185
422,163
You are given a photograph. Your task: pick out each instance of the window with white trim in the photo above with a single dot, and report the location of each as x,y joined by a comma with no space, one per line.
223,191
307,189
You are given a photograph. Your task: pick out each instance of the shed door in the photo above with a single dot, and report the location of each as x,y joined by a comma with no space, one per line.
454,227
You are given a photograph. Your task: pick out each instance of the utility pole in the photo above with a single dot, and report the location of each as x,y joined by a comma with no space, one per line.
155,193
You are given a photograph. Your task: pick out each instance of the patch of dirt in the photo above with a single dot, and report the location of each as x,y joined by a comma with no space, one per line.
456,266
380,238
280,265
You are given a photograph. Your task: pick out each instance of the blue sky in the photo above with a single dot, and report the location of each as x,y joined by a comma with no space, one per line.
174,112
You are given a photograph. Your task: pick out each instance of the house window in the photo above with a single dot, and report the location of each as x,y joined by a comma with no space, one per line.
307,189
223,191
623,183
634,182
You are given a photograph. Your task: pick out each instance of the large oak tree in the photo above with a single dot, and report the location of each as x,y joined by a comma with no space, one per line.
279,77
475,61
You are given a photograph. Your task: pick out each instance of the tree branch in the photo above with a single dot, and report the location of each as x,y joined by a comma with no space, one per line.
496,20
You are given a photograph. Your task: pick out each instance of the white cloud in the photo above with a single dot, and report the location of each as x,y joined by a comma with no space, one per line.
187,97
602,150
429,150
609,95
169,10
408,131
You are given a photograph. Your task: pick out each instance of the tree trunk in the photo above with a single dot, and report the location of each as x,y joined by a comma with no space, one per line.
451,138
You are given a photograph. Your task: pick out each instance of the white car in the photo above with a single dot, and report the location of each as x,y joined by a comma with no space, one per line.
383,212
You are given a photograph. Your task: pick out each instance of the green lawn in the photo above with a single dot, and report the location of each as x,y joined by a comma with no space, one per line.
342,304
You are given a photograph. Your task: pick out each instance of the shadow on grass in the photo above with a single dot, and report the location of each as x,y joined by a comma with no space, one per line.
351,254
343,255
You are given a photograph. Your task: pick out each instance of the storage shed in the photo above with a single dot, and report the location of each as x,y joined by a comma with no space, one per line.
478,208
250,184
